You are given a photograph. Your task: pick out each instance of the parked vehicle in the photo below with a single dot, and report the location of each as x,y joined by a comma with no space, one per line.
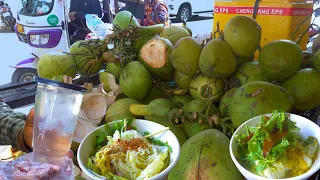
43,24
185,9
6,16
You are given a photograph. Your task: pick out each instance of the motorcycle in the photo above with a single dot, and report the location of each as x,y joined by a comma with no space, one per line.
6,16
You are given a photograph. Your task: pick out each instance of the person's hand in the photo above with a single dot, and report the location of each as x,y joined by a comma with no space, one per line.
28,128
72,16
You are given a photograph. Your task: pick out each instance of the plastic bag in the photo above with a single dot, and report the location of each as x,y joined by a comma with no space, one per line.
24,169
97,26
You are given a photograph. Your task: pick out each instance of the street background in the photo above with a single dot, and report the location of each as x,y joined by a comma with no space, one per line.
12,51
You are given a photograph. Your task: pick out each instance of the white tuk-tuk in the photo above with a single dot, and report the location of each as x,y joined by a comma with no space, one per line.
43,24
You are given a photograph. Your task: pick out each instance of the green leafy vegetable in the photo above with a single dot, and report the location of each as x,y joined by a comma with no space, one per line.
101,137
114,159
264,144
157,142
280,148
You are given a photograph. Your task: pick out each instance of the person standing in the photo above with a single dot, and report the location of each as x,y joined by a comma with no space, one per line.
155,12
77,28
148,12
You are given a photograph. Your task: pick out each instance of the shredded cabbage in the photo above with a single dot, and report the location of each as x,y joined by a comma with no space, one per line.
115,162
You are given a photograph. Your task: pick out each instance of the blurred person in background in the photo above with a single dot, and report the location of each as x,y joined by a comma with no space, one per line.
148,12
77,28
155,12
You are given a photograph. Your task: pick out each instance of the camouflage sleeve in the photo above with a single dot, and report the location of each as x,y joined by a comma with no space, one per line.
11,126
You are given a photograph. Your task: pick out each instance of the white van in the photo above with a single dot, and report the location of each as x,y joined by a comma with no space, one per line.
185,9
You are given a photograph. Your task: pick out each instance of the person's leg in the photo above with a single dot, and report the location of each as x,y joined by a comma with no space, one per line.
80,34
71,28
106,18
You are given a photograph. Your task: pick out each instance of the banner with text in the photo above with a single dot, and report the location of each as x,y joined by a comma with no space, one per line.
281,11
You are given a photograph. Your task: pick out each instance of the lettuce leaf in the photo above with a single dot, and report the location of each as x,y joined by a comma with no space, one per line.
156,166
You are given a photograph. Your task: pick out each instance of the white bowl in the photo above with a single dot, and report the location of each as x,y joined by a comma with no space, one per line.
87,146
307,128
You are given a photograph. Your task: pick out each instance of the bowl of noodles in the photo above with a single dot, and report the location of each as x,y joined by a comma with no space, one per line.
276,146
129,149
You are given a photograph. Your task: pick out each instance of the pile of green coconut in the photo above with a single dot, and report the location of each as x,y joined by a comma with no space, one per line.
203,91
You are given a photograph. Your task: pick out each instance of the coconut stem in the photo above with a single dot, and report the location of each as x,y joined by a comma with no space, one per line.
298,28
217,31
227,125
231,83
207,113
72,66
130,20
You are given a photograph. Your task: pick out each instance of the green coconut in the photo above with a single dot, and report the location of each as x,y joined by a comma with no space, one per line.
104,78
316,61
242,60
124,18
135,81
247,72
316,45
192,128
182,80
143,40
174,33
114,69
180,100
120,110
161,102
216,59
257,98
147,31
56,63
88,55
155,55
280,59
184,25
224,103
155,93
197,106
243,35
204,88
185,56
307,60
177,131
206,155
58,78
304,87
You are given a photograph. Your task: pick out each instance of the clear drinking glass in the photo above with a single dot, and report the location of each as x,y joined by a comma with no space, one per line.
57,106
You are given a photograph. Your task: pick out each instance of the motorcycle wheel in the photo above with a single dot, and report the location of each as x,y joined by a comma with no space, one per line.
10,22
21,75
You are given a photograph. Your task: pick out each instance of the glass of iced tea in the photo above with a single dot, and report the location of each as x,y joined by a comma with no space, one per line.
57,106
